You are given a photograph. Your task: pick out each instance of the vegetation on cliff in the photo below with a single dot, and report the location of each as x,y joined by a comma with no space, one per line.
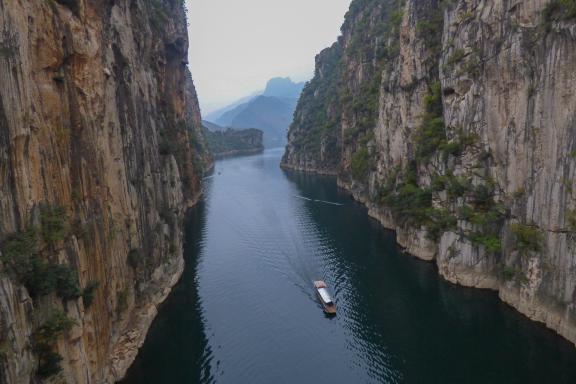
22,258
337,109
235,141
85,179
44,341
371,35
423,133
560,10
318,113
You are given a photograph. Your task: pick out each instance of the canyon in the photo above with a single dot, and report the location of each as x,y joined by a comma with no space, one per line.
452,121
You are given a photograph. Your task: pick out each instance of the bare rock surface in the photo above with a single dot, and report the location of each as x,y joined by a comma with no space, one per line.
97,117
455,124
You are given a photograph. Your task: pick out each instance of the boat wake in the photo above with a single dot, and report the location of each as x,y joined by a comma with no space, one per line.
287,247
318,201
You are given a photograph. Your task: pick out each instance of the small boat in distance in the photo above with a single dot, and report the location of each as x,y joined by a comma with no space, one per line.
325,298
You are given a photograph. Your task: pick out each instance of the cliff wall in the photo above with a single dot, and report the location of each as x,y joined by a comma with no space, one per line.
100,155
467,149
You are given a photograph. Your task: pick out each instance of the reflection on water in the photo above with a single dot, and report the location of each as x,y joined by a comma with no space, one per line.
245,310
177,336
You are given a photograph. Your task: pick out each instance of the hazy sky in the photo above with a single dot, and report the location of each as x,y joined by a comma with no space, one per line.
237,45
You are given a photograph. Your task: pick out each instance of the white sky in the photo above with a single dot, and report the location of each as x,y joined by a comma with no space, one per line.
238,45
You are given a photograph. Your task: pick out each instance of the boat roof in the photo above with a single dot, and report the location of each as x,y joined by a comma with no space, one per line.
325,295
319,284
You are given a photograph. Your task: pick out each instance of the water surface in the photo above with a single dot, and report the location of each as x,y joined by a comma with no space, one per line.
245,311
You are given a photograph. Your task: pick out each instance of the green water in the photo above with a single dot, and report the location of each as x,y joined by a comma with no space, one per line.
245,311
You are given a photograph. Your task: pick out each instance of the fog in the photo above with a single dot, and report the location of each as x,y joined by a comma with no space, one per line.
237,45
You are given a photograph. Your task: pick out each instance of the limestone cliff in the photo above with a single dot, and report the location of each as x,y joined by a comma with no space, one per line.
100,155
467,146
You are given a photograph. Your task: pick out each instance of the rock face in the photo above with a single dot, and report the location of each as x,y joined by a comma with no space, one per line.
100,155
465,145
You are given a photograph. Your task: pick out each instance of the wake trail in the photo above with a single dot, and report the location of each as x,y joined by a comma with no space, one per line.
290,248
319,201
329,202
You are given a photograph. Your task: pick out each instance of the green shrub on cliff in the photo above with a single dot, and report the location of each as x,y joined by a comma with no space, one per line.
486,215
158,14
408,202
438,222
456,57
458,144
44,339
53,221
560,10
66,286
361,164
22,262
122,301
490,242
73,5
89,292
431,135
528,238
411,202
457,186
18,252
509,273
44,278
571,220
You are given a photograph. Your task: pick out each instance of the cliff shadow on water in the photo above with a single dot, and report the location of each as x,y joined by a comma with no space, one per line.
177,336
411,325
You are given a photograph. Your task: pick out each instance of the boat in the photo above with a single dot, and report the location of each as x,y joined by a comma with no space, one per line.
325,298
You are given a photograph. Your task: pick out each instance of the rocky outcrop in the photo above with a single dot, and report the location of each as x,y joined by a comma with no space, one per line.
235,142
100,155
469,153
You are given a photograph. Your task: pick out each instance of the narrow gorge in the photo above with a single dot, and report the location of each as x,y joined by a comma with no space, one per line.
101,154
454,122
442,129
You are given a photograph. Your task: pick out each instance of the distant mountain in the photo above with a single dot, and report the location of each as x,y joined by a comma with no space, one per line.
272,112
228,117
215,115
272,115
283,87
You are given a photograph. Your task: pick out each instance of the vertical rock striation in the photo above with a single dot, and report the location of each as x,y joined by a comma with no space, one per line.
100,155
467,146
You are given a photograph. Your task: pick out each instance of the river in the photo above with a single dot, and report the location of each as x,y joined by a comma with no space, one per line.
245,312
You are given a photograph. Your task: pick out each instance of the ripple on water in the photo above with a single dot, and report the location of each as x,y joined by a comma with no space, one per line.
265,237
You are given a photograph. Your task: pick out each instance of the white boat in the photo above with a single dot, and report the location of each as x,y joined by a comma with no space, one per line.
325,298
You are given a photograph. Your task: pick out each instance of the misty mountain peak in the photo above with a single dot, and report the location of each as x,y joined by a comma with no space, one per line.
283,87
